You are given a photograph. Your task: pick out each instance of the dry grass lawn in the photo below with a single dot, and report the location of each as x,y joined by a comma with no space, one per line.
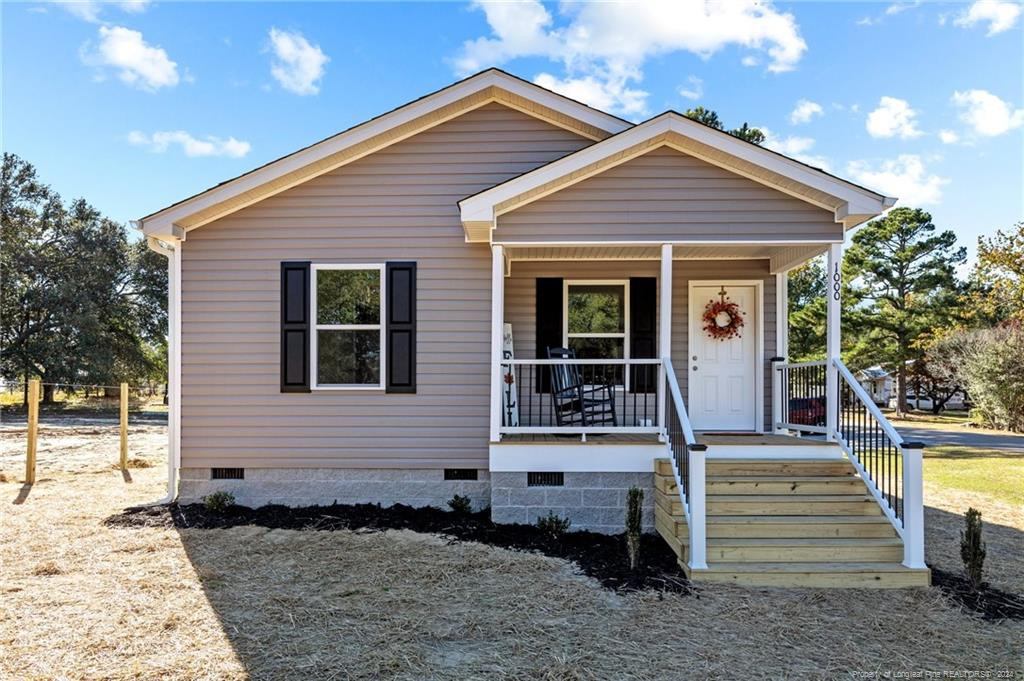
85,601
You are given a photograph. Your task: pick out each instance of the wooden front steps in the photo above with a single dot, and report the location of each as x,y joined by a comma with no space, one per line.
786,522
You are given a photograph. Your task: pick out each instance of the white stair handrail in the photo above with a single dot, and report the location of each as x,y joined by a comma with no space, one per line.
693,498
872,408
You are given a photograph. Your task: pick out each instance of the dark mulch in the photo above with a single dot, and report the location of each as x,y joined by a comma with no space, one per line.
990,603
599,556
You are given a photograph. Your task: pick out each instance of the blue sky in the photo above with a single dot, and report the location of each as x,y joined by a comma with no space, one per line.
134,105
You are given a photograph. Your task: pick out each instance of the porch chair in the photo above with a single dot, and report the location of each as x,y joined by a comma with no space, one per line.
575,403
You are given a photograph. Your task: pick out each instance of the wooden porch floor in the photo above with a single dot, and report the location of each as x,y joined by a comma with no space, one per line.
756,439
592,439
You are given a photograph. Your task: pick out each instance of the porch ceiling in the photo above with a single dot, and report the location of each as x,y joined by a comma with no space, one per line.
780,256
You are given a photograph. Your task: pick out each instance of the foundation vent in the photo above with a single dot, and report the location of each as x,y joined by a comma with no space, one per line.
227,473
545,479
461,474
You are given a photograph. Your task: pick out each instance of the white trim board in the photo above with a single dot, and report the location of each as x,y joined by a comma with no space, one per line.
755,451
579,457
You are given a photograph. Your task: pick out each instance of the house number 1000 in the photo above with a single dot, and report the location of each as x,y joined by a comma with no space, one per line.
836,285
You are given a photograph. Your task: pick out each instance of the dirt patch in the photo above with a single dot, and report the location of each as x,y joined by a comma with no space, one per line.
599,556
988,602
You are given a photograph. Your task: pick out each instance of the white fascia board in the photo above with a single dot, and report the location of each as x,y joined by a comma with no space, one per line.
853,200
162,223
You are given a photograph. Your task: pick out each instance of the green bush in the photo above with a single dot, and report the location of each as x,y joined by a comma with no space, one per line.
992,370
460,504
972,548
552,525
218,502
634,524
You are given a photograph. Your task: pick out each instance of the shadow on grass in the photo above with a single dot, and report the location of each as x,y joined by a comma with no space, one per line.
964,452
22,493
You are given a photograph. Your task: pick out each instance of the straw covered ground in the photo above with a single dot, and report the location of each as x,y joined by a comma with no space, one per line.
83,600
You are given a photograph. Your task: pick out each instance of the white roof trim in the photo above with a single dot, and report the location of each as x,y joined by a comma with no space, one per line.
163,221
853,204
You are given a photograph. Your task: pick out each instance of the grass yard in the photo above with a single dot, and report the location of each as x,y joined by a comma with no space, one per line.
990,472
82,600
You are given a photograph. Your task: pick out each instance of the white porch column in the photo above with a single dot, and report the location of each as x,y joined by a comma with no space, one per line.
833,294
696,500
497,324
913,505
664,329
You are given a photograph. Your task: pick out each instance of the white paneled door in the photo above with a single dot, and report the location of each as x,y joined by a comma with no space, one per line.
723,372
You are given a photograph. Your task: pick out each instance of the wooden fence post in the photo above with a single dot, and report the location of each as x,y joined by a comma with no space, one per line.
33,426
124,426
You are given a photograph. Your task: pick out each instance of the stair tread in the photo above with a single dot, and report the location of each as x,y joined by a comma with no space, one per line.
788,498
798,519
806,541
802,461
831,566
783,478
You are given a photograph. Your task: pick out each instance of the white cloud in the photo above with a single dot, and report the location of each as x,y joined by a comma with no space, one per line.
893,118
137,63
804,111
298,66
904,177
794,147
948,136
605,91
750,60
898,7
603,46
694,89
986,113
159,142
89,10
1001,15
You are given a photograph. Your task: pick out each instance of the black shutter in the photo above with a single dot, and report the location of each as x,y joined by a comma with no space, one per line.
400,327
549,323
643,331
295,327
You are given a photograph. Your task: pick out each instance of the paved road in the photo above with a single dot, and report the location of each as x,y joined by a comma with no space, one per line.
964,437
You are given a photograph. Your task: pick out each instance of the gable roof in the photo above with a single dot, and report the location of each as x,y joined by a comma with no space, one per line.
492,85
850,203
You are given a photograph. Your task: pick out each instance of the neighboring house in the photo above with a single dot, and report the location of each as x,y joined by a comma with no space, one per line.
877,383
338,333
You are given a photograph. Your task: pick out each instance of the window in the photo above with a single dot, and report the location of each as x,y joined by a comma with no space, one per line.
597,319
348,336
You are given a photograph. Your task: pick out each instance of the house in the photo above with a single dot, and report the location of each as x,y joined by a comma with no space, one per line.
499,292
877,383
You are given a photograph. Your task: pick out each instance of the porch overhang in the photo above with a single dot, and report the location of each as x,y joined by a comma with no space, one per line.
850,204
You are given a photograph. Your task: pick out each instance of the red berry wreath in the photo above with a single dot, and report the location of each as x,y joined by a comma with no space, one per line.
722,319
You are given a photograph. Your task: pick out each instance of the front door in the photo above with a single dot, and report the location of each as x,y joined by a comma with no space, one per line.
723,383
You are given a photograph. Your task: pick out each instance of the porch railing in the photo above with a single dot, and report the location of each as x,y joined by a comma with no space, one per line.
580,396
890,466
688,463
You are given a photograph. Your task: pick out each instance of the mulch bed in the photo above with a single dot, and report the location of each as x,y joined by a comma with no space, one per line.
600,556
990,603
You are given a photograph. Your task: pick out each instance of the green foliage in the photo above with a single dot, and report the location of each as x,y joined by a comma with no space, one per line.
972,548
711,119
460,504
78,302
807,311
990,365
552,525
902,283
997,282
219,501
634,524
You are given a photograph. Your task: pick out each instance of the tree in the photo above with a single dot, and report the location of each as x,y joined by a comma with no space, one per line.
902,283
997,291
711,119
807,311
78,302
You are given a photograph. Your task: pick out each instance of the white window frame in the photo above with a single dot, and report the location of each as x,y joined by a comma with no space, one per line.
624,283
314,359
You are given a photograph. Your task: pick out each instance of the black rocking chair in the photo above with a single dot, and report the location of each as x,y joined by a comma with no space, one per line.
575,403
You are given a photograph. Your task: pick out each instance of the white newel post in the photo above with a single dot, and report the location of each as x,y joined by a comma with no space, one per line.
913,505
497,337
664,331
698,511
777,395
833,295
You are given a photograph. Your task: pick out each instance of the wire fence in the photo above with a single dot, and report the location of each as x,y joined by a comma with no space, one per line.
96,398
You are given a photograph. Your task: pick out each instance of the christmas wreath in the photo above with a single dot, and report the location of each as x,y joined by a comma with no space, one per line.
722,319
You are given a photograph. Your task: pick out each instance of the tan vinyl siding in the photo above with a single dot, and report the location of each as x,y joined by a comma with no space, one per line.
397,204
665,194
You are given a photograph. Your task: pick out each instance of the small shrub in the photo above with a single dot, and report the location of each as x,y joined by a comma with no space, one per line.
972,548
552,525
218,502
460,504
634,524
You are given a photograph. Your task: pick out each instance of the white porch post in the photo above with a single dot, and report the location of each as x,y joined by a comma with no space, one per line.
833,294
698,509
497,324
913,505
781,348
664,330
